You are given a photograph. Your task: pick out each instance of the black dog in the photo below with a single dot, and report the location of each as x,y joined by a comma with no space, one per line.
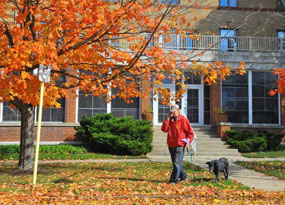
217,166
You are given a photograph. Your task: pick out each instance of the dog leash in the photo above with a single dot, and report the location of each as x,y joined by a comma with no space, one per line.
191,163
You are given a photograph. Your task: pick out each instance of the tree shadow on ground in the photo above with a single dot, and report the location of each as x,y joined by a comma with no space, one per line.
17,172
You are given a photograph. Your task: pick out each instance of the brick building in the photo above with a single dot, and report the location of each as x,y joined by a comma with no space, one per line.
231,31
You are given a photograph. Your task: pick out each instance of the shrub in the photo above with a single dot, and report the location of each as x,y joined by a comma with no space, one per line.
249,142
273,141
9,149
108,134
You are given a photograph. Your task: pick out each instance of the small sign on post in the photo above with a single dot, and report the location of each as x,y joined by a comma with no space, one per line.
44,76
44,73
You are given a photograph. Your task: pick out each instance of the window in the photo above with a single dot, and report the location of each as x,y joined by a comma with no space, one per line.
48,115
89,105
207,105
172,2
120,108
53,114
9,114
281,40
238,99
235,98
281,4
264,107
228,40
228,3
191,78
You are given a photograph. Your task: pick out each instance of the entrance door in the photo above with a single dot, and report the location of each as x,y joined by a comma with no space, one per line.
160,110
192,104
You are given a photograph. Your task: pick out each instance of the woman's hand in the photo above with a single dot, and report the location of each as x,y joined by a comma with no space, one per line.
169,115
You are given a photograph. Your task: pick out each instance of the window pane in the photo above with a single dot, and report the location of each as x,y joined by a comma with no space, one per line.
84,112
191,78
223,2
57,115
258,104
258,91
235,98
265,107
99,102
46,116
85,102
232,3
10,114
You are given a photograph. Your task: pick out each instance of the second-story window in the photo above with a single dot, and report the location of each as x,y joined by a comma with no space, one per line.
281,4
281,40
228,3
228,40
171,2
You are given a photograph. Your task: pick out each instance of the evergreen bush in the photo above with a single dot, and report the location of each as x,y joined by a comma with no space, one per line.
116,135
249,142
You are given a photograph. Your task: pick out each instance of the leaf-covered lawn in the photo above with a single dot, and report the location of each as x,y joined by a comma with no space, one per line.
123,183
273,168
272,154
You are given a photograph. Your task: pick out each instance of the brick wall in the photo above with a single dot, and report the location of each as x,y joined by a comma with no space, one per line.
70,107
215,99
12,133
146,94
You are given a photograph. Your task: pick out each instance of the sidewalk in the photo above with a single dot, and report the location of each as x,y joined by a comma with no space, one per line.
238,173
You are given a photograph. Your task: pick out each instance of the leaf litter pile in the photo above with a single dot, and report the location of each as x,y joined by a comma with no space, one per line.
124,183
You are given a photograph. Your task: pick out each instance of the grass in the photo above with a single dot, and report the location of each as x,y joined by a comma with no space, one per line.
269,154
123,183
273,168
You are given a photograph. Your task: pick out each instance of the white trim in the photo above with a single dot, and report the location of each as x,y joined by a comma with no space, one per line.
200,102
250,110
109,105
76,105
155,103
279,109
1,112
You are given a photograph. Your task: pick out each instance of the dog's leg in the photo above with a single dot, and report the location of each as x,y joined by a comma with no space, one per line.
217,176
226,172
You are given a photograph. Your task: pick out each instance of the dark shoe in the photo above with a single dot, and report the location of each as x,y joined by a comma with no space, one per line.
185,180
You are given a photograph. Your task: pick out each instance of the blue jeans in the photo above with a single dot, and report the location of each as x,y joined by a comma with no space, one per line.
177,154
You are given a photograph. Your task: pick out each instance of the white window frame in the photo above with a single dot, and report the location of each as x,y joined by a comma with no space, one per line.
250,108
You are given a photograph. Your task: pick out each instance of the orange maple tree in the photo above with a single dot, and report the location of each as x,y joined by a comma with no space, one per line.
94,44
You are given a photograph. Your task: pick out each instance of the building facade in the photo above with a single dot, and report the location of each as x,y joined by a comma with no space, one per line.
230,31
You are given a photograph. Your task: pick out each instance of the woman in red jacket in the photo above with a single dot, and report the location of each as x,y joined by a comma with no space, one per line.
178,128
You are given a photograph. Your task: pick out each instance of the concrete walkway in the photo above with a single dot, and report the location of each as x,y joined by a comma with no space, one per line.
238,173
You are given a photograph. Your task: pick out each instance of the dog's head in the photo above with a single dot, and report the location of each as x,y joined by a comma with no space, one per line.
211,165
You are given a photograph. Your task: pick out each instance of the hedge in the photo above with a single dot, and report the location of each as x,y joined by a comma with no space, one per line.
116,135
250,142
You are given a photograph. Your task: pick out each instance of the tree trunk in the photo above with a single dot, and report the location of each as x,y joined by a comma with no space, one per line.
26,159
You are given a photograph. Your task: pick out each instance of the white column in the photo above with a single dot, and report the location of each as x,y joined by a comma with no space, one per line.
1,112
250,97
76,105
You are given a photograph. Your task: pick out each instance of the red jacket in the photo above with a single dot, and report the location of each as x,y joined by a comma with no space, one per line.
177,130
